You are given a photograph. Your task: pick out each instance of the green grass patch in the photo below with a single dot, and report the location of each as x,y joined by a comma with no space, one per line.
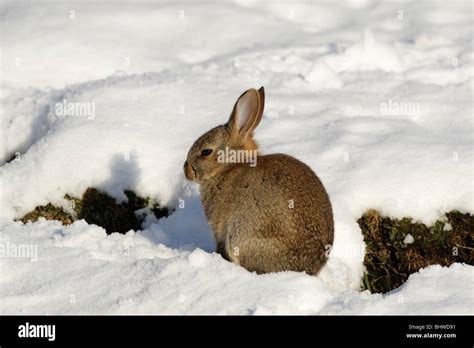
389,260
97,207
49,212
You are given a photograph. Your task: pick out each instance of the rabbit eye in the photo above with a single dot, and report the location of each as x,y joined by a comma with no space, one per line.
206,152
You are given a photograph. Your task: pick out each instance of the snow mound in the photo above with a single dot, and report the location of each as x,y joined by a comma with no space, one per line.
89,272
429,291
322,76
368,54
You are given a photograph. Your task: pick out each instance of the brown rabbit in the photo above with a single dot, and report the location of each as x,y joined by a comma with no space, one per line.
268,213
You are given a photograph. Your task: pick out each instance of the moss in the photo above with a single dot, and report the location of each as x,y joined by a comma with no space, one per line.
49,212
389,261
136,202
159,211
97,207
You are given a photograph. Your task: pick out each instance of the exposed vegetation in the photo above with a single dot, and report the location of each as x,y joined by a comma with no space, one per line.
390,258
49,212
97,207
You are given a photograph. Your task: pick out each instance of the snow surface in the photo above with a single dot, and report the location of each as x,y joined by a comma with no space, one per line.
84,271
375,96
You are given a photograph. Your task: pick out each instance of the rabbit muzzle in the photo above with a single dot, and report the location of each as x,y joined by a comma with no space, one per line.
189,171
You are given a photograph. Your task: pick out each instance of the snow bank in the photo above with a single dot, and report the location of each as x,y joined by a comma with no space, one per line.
429,291
125,274
377,102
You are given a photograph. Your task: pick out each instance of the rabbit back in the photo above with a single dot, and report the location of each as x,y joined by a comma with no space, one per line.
273,217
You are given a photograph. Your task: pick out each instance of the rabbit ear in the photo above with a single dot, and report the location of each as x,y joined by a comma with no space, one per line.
248,111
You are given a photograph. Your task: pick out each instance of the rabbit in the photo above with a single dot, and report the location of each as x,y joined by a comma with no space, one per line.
270,217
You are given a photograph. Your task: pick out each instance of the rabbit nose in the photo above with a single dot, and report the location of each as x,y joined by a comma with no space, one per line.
189,171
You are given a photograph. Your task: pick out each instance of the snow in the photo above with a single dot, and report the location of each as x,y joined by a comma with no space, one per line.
379,106
125,274
408,239
322,77
429,291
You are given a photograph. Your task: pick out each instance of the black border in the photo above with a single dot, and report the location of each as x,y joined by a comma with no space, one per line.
225,330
